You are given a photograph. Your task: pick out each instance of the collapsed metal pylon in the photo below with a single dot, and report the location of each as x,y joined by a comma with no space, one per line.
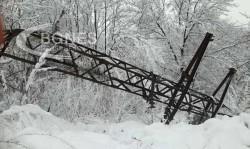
187,77
101,68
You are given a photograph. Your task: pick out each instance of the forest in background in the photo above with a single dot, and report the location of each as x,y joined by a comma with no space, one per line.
156,35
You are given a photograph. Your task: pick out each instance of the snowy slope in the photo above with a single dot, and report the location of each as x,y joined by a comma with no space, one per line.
29,127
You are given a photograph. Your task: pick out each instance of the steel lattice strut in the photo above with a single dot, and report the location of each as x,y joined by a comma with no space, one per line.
89,64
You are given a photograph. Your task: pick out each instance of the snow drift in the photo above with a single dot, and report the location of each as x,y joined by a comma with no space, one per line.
29,127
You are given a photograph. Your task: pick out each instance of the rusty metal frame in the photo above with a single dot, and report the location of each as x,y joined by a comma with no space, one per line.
103,69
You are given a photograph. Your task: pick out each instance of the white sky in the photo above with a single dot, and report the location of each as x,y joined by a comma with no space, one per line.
243,7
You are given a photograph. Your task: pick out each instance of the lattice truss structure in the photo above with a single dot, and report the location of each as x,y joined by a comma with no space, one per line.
83,62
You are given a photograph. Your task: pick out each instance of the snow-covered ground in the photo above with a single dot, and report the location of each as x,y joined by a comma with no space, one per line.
29,127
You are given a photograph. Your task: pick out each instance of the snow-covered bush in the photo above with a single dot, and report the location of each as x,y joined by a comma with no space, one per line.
29,127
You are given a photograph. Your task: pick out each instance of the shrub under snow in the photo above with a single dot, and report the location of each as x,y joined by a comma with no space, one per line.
29,127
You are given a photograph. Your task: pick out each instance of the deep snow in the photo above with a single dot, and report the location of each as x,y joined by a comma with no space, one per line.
29,127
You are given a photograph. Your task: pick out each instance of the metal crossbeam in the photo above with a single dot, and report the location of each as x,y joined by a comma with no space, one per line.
86,63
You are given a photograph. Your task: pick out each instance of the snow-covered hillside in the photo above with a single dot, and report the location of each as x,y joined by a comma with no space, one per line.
29,127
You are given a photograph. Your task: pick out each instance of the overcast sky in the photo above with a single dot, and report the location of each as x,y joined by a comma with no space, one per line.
243,7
